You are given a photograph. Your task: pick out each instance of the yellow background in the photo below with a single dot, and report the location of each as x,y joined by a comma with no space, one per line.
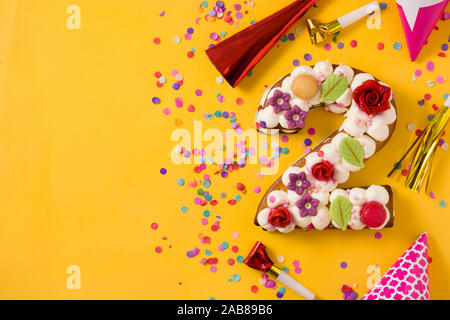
81,146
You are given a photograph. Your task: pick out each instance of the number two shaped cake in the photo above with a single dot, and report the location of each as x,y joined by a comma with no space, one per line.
307,196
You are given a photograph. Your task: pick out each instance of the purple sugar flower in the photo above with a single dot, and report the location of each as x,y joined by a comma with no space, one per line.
298,182
280,101
296,117
307,205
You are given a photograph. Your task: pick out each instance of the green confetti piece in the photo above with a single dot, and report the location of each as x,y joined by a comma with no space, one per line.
352,151
333,87
341,211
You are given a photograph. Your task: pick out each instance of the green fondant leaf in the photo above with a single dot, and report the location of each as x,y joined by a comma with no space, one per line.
341,211
352,151
333,87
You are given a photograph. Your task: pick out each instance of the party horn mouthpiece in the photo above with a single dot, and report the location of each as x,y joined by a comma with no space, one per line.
258,259
319,31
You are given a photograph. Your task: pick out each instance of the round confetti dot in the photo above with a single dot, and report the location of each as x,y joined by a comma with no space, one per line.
158,249
411,126
427,96
279,295
397,46
380,45
163,171
176,86
190,30
296,63
280,259
418,73
353,43
235,235
383,5
190,54
311,131
176,39
178,102
213,269
240,259
180,181
154,226
282,290
198,92
156,100
166,111
230,261
158,74
190,108
327,46
184,209
284,139
340,45
444,47
239,101
254,288
343,265
378,235
442,204
219,80
156,40
225,245
307,57
236,277
430,66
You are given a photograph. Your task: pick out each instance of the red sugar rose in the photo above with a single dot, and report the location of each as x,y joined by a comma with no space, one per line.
372,97
280,217
323,171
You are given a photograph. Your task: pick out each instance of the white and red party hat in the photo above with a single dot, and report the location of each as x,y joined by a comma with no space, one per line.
408,278
419,17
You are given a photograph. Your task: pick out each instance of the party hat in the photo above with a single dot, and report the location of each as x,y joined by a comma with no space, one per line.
236,56
418,19
408,278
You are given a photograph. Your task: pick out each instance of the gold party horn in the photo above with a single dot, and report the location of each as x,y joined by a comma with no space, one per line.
319,31
421,165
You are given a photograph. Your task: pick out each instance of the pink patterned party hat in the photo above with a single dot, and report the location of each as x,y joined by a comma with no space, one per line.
418,19
408,278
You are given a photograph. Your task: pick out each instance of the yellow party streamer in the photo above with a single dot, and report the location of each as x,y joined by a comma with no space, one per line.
421,165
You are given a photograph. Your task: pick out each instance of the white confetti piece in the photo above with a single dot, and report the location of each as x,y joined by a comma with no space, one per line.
299,31
176,39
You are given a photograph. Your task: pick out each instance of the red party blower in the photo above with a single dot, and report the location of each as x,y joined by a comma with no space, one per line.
259,260
236,56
